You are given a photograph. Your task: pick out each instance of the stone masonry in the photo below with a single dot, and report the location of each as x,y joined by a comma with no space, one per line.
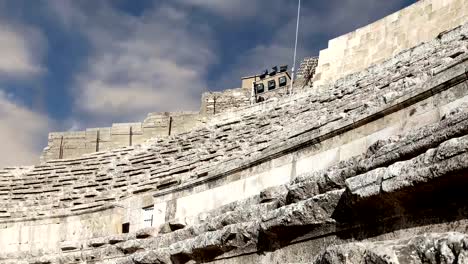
371,44
76,143
372,168
306,72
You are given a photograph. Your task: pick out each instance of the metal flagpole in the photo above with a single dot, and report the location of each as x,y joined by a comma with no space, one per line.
295,46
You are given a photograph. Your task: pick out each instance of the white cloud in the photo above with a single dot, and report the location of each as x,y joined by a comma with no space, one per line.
21,129
158,61
261,11
155,62
21,51
233,9
22,48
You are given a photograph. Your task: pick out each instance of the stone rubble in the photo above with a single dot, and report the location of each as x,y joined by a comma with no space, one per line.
444,248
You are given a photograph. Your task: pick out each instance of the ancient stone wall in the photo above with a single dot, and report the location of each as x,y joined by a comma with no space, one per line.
54,234
62,145
272,182
73,144
274,94
306,72
225,101
373,43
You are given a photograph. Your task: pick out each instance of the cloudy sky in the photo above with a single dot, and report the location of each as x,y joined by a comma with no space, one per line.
72,64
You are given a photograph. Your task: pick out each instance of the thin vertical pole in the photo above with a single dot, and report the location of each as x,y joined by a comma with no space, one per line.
130,136
254,90
97,141
214,105
295,46
169,132
61,148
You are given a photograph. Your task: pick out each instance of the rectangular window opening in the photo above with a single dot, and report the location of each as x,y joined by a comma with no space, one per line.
282,81
148,216
259,88
125,228
271,85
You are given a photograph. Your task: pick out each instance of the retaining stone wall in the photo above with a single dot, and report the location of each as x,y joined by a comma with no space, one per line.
386,37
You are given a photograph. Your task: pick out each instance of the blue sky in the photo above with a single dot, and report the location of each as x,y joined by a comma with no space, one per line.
72,64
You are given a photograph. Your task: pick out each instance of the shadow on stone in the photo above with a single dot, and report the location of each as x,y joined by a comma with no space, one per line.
442,200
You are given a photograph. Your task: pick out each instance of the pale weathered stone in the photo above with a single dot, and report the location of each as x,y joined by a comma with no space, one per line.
70,245
430,248
152,257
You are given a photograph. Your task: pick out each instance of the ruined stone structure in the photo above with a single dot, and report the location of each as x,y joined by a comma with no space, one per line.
371,168
277,76
306,72
76,143
268,85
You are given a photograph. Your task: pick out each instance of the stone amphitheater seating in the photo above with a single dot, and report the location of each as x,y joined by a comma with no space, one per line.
387,180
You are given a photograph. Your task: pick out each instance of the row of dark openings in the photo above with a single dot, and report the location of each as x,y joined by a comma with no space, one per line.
273,71
260,87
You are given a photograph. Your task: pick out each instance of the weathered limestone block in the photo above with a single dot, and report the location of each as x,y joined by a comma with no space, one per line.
319,182
449,158
176,224
211,244
152,257
72,257
130,246
125,260
429,248
280,226
70,245
276,193
43,260
416,142
308,212
101,253
97,242
146,232
303,190
381,153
